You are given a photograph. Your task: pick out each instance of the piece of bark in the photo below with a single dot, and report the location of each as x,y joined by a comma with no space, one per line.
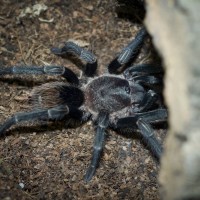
174,26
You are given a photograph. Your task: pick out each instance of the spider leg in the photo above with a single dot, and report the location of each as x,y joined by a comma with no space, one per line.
49,70
81,53
149,99
102,124
144,74
129,52
142,69
149,138
143,120
147,80
56,113
153,116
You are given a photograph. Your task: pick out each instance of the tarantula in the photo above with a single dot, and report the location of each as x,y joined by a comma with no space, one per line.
119,101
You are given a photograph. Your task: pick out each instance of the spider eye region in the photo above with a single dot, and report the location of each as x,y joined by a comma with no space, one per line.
108,93
128,90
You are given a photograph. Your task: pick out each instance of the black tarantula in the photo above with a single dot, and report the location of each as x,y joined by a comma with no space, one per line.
122,102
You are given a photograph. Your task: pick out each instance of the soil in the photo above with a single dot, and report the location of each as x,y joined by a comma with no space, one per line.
49,161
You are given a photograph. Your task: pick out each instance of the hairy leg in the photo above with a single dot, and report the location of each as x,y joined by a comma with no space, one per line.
149,99
81,53
143,120
102,124
128,52
48,70
149,138
56,113
142,69
154,116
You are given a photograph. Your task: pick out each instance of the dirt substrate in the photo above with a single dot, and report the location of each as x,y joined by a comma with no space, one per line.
48,161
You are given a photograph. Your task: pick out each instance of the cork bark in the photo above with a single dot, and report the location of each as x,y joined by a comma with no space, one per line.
175,29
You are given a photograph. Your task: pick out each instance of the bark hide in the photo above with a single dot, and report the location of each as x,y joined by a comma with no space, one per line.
175,28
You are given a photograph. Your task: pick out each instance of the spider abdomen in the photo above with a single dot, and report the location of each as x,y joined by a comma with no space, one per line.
107,93
54,94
